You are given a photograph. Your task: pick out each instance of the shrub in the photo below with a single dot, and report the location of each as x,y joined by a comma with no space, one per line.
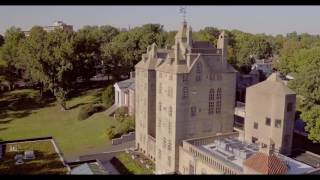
87,110
107,96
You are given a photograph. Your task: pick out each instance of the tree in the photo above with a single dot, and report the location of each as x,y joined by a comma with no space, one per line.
88,41
125,50
210,34
1,40
50,60
108,96
312,119
9,54
306,84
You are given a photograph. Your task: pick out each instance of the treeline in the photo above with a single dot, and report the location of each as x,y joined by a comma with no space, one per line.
55,60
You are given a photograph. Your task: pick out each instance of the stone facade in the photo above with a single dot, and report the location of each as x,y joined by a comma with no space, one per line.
186,91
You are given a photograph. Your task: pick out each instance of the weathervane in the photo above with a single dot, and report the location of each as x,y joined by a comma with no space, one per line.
183,11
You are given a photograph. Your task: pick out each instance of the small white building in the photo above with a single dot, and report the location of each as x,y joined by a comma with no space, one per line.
121,90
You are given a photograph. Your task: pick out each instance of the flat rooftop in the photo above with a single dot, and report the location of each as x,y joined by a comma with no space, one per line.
42,157
234,152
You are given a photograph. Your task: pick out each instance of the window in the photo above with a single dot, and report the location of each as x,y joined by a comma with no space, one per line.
278,123
254,139
268,121
169,91
255,125
185,77
160,88
185,92
159,153
211,94
211,107
218,106
169,145
170,127
169,161
170,111
193,111
199,68
164,143
159,123
289,107
198,72
263,145
160,106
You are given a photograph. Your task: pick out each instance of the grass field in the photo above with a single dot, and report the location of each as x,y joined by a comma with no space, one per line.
126,165
23,115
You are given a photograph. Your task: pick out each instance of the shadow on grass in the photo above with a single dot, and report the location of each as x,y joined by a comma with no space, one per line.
17,105
120,166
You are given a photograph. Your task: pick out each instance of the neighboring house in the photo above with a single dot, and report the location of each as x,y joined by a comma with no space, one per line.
56,25
264,65
186,107
124,94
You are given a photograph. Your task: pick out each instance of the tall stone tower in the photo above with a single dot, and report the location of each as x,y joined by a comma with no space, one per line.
195,94
270,115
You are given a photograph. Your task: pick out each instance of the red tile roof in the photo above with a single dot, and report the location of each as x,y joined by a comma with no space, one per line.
266,164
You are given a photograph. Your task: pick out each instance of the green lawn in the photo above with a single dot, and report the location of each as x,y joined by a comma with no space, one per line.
23,115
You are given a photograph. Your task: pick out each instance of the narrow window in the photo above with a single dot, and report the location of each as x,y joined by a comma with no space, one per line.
160,106
170,111
159,153
169,145
211,107
211,94
193,111
289,107
169,161
170,77
218,106
255,125
277,123
185,92
164,143
268,121
160,88
198,72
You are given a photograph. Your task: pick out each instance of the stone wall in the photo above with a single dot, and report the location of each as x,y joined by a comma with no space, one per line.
124,138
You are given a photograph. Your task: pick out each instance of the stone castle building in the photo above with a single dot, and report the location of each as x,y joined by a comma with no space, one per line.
185,110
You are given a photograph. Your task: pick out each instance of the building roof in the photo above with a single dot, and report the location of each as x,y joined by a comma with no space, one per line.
266,164
273,84
88,168
125,84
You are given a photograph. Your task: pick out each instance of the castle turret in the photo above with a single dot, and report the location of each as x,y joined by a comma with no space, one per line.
223,45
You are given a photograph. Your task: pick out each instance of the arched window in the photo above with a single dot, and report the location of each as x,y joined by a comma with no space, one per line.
211,101
218,107
211,94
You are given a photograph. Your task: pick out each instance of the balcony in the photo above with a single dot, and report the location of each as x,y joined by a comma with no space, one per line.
239,110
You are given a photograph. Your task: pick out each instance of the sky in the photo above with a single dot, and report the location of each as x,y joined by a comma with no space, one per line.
253,19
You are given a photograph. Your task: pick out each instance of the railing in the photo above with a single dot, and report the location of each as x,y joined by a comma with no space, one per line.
239,110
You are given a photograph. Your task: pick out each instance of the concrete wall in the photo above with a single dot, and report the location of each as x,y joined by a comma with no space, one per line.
124,138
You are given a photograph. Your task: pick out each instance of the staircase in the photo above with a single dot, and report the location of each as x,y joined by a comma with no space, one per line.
111,110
